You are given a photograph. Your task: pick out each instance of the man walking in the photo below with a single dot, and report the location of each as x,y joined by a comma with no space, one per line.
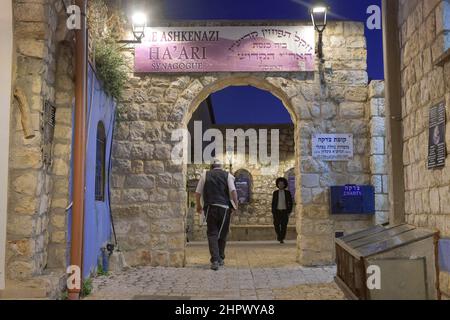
282,206
215,186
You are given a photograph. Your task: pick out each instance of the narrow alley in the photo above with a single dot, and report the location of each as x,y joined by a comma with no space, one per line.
253,271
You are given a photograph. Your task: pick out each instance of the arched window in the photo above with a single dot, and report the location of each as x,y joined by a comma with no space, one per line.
243,186
100,163
290,177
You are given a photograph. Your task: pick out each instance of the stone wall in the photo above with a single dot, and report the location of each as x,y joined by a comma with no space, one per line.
6,63
31,188
424,31
378,158
62,149
255,217
149,196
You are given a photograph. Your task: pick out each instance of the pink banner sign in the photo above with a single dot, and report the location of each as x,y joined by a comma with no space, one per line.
226,49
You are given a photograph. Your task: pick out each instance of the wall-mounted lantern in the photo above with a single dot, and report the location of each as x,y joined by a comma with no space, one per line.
319,19
139,23
230,156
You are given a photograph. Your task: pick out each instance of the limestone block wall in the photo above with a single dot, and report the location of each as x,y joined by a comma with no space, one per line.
424,28
6,62
62,148
257,214
31,184
378,158
149,191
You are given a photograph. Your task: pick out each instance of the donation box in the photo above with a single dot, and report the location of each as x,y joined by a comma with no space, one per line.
397,262
352,199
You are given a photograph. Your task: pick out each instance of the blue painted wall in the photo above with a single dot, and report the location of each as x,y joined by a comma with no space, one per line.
444,255
97,221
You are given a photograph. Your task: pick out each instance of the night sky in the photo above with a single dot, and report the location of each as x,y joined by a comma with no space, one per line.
246,105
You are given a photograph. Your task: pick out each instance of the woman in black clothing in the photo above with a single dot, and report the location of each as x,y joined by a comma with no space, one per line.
281,208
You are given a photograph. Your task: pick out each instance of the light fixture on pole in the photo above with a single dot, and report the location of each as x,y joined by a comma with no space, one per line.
319,19
230,155
139,23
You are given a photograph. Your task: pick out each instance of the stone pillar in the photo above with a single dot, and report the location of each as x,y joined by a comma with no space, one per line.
336,106
58,226
148,190
378,158
6,50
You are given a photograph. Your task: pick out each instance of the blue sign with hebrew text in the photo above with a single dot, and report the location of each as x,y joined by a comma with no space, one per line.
352,199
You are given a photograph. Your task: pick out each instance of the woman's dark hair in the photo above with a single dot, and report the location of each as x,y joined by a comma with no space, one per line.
282,180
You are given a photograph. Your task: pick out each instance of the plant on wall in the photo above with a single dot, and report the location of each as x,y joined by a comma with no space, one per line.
106,27
86,288
111,67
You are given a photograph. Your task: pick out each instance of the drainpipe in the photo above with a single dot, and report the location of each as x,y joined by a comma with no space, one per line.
391,45
79,150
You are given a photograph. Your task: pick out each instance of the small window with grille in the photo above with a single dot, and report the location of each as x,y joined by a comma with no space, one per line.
100,170
48,129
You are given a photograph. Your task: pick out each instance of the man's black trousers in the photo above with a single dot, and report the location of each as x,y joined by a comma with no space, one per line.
218,226
280,222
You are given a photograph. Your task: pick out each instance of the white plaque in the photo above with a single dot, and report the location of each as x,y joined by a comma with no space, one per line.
332,147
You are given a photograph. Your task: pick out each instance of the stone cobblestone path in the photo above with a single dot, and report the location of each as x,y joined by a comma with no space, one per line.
253,271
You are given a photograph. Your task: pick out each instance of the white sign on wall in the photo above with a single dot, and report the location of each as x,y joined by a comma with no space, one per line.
332,147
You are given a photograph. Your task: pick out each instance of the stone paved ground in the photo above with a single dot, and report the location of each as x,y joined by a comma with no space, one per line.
253,271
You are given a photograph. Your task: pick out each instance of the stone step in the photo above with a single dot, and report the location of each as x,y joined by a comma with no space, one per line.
23,293
30,289
247,233
43,287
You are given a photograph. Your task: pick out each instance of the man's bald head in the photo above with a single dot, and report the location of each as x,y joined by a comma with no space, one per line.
216,164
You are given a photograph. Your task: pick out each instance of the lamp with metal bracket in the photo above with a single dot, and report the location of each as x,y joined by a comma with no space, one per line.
230,156
319,19
139,23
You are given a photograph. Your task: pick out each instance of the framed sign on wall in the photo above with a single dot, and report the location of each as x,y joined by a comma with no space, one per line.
437,149
243,190
332,147
226,49
352,199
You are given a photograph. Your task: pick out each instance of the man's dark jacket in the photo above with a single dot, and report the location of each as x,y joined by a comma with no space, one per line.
289,202
216,189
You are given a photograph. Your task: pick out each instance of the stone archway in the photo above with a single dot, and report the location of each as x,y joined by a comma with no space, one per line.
149,192
254,221
149,196
286,90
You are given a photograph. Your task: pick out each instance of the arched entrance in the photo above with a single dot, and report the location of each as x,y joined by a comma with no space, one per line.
149,201
290,92
231,115
149,191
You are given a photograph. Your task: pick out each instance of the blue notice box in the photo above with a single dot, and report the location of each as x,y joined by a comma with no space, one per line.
352,199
